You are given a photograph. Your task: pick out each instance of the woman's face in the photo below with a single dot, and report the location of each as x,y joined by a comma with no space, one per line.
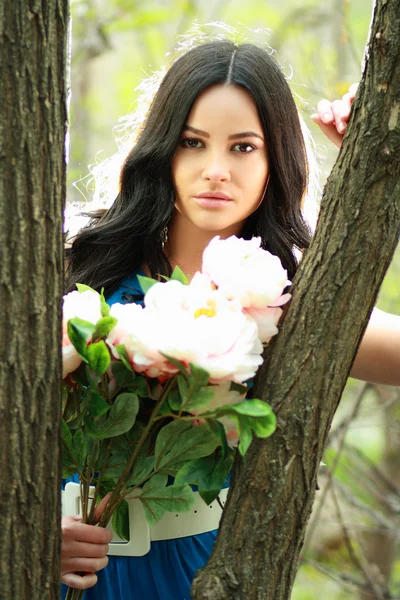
220,169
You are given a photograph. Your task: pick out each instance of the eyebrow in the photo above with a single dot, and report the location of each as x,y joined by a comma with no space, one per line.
234,136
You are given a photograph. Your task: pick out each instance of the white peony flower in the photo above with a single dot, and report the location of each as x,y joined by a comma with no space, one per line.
267,320
244,272
84,305
193,324
129,332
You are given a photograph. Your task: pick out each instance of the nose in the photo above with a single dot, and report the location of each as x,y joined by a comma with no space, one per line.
216,168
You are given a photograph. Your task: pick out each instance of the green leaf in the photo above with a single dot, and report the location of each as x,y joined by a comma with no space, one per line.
123,375
68,471
218,429
139,386
120,520
192,389
183,387
146,283
179,275
245,436
99,357
104,326
158,500
95,403
105,308
142,470
159,480
123,414
80,376
208,473
180,366
198,376
255,415
168,435
116,464
173,450
123,355
66,434
250,408
66,395
120,419
80,332
81,287
79,448
174,400
262,427
199,399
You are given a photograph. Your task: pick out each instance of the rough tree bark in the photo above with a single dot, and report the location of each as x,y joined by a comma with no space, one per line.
33,41
261,534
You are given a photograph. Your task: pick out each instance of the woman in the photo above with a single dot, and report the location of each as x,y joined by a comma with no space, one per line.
220,153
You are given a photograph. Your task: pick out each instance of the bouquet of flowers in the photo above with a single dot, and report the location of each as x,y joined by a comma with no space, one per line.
158,391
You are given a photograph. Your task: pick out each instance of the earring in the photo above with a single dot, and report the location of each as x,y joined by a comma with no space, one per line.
164,236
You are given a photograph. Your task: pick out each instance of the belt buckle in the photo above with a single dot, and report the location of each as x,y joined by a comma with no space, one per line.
139,530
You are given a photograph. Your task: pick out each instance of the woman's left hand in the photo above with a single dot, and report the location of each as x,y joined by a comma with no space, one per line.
333,117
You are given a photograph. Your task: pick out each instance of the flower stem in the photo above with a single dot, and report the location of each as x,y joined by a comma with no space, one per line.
74,594
116,494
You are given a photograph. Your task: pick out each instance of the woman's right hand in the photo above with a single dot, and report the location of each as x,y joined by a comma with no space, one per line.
84,549
333,117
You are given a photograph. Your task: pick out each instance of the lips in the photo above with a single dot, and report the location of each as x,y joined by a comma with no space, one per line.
214,196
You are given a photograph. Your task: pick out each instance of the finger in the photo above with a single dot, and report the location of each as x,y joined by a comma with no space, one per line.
315,117
353,90
341,125
101,507
345,108
329,130
80,582
80,532
74,548
324,111
85,565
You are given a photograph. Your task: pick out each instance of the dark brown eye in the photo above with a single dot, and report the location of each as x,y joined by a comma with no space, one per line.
244,148
191,143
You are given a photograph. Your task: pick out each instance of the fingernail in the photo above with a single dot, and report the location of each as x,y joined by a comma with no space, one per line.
341,127
327,117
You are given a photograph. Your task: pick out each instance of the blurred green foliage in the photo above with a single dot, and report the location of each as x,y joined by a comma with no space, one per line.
116,44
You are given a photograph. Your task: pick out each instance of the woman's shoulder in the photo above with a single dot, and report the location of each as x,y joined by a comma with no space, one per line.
128,291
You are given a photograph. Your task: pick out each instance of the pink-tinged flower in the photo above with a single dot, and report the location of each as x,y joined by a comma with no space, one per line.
129,331
70,358
267,320
84,305
244,272
193,324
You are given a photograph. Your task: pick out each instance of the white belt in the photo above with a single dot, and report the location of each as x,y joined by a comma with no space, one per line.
201,518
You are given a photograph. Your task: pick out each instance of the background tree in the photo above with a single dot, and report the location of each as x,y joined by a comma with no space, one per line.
33,54
306,367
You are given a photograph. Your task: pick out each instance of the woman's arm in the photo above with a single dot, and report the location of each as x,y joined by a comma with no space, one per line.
378,357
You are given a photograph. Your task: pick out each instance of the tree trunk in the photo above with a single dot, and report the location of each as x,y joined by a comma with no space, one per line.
380,545
33,39
306,366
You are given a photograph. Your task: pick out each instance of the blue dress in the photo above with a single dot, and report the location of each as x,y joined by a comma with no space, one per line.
167,571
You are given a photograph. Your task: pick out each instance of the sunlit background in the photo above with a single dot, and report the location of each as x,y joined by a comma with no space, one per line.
351,547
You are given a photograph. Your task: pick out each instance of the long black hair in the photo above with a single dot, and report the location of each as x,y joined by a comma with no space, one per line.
119,240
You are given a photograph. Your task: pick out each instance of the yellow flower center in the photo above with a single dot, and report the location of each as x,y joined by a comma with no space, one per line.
206,312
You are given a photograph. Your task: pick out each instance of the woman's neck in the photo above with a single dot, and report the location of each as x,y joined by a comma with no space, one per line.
186,243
